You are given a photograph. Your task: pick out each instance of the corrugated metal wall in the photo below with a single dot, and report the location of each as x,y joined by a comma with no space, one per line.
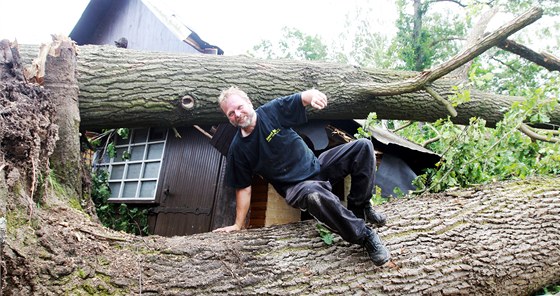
188,185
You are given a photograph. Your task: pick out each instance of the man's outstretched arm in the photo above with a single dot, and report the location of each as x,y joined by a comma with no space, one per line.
243,202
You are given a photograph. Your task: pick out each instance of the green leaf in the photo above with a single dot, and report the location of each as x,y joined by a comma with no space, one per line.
326,235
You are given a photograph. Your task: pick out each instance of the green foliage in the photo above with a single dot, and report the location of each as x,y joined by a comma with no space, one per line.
426,36
550,290
113,215
326,234
293,45
363,41
475,154
118,216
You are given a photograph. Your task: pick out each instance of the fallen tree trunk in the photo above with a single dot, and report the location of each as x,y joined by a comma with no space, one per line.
500,239
122,88
126,88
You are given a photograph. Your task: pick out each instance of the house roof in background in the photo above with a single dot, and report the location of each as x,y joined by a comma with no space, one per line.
96,9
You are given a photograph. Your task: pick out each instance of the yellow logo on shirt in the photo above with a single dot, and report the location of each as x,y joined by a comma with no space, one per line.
272,134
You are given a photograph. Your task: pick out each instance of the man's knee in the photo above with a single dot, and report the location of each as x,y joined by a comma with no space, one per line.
313,200
297,196
364,144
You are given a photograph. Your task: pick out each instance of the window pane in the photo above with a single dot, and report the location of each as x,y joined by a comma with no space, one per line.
105,159
148,189
117,172
140,135
121,141
122,151
157,134
155,151
115,187
133,171
130,189
137,152
151,170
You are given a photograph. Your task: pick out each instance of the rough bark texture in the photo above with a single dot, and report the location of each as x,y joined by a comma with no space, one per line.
60,80
126,88
501,239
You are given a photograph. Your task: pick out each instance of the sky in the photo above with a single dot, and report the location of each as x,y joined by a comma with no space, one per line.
235,26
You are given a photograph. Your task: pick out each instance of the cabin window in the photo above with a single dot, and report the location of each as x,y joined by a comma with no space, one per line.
135,168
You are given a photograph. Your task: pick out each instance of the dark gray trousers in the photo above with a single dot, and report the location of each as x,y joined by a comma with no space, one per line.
356,159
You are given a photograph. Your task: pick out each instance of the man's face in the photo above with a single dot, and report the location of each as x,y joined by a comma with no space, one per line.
239,111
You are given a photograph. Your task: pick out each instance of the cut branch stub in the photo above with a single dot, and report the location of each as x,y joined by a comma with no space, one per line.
187,102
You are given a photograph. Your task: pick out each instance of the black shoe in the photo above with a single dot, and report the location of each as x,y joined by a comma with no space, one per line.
377,252
369,215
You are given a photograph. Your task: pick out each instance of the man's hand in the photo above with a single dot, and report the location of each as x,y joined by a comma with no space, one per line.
243,202
231,228
315,98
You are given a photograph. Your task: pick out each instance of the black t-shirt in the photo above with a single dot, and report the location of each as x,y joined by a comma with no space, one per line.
273,150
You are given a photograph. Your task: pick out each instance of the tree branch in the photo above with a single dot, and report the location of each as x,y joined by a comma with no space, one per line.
443,101
506,65
409,123
475,34
487,42
436,42
545,60
536,136
452,1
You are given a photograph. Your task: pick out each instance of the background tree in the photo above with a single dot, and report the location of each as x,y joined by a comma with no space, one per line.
293,45
429,32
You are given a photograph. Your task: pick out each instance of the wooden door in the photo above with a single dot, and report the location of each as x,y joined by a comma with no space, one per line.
188,185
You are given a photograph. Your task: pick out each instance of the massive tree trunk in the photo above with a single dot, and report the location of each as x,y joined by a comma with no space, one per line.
127,88
501,239
124,88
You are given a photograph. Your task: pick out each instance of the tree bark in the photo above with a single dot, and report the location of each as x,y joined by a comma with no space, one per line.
126,88
500,239
60,79
545,60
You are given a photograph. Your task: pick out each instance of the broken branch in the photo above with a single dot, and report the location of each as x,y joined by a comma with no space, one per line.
545,60
427,76
524,128
443,101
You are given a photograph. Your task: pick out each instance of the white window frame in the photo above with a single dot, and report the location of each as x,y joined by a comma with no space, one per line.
109,164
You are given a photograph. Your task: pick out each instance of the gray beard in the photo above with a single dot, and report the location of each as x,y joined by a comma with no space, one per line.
247,122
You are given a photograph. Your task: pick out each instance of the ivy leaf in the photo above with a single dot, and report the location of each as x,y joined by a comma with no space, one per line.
326,235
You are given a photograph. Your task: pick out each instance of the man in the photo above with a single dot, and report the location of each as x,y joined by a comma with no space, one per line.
265,144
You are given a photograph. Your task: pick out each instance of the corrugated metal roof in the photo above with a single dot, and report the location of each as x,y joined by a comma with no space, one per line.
386,137
97,9
178,28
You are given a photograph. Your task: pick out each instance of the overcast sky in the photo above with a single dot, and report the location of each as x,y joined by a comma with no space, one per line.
236,26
